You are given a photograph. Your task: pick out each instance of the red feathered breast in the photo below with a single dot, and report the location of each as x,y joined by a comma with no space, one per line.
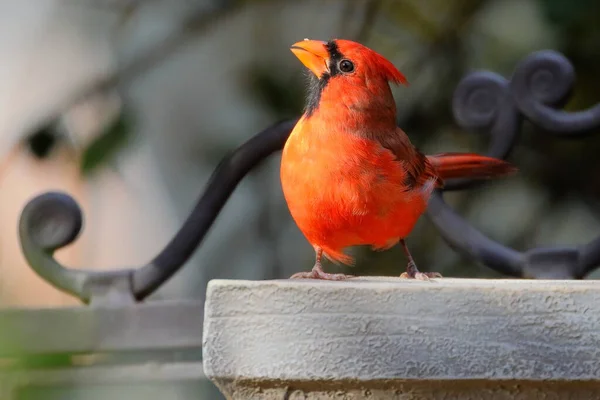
344,190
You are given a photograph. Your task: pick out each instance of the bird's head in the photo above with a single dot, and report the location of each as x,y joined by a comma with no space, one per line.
347,73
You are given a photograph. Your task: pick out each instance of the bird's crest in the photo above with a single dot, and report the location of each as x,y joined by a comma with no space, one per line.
381,64
390,72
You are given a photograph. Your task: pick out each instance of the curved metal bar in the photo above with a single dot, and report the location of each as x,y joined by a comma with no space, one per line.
589,257
482,102
220,186
546,78
485,101
54,220
541,263
462,237
552,263
48,222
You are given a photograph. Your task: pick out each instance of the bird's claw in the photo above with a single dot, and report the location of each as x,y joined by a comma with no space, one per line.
421,276
412,272
315,274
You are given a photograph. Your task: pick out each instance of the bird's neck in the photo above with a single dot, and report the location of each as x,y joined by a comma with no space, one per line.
352,109
354,116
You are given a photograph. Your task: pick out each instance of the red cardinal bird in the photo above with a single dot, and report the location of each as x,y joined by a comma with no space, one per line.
349,175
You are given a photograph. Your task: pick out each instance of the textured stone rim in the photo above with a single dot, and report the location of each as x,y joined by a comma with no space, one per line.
378,329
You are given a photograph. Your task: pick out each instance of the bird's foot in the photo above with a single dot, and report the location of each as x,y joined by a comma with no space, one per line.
318,273
421,276
413,273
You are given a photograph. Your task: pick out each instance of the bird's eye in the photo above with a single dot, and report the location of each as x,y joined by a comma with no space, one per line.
346,66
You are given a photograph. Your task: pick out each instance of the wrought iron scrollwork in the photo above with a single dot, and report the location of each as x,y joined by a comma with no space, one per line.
54,220
541,83
483,101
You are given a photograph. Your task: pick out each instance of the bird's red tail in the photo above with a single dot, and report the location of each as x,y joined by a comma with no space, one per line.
470,165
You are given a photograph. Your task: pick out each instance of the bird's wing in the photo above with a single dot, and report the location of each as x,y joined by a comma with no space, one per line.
417,167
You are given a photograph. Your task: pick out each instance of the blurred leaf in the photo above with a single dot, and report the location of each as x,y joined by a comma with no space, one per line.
107,144
565,13
284,97
372,8
42,141
409,17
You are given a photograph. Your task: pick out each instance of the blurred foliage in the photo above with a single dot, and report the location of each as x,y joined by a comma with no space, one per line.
277,93
114,137
569,14
42,142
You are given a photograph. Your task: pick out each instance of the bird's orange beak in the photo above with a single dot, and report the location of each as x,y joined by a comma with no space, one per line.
313,54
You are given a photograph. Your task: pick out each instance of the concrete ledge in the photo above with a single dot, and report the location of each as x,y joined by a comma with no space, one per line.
386,338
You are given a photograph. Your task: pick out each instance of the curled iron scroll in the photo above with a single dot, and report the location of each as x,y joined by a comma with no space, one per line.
484,101
54,220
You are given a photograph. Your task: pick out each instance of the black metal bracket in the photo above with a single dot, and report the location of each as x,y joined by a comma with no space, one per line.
487,102
483,101
54,220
